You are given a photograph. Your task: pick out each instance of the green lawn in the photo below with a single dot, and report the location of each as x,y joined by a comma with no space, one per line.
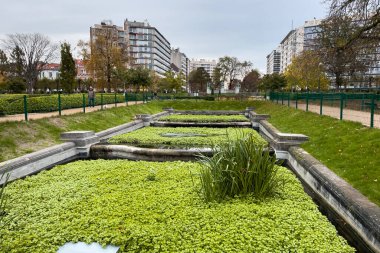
19,138
349,149
156,207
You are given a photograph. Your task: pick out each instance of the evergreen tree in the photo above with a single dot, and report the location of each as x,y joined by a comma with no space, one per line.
68,71
198,79
18,62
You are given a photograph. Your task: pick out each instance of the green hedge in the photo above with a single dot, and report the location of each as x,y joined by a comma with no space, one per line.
14,104
155,207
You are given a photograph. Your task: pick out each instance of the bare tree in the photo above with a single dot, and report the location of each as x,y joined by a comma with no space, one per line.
37,50
231,68
342,56
365,12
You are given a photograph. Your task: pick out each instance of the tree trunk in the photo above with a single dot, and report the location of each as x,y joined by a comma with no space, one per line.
338,80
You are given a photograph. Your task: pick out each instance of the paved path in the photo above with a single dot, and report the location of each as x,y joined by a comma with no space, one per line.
32,116
352,115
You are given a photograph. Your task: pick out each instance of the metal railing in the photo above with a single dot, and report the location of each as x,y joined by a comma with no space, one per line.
360,107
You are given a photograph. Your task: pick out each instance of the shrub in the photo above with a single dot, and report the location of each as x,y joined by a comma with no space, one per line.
239,167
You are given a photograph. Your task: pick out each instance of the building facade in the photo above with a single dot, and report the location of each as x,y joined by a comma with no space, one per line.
180,61
81,70
208,65
143,43
274,62
147,47
50,71
304,38
111,32
296,41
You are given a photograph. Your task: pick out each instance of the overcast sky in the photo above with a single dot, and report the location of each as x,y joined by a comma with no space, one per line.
247,29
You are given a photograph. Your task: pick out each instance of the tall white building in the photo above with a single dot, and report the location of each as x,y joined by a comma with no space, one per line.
180,61
296,41
290,46
274,61
208,65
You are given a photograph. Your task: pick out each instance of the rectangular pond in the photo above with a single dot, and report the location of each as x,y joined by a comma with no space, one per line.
156,207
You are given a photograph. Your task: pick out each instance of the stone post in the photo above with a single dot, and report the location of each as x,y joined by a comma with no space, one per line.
82,139
146,118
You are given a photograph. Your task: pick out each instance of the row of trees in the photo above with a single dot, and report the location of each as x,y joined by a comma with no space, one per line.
230,71
25,55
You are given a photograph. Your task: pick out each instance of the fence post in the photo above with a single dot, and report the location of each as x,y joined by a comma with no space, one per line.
282,98
101,101
59,104
296,100
321,104
126,98
341,105
289,99
136,98
362,104
84,103
307,101
372,109
115,100
25,108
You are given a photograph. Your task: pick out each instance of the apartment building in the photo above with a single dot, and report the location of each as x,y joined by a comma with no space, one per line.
274,61
180,61
111,32
147,46
304,37
296,41
208,65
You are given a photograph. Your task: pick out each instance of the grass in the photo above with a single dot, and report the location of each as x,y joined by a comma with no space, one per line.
19,138
347,148
121,203
239,167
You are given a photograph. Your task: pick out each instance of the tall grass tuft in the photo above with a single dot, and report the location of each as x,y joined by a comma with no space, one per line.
239,167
